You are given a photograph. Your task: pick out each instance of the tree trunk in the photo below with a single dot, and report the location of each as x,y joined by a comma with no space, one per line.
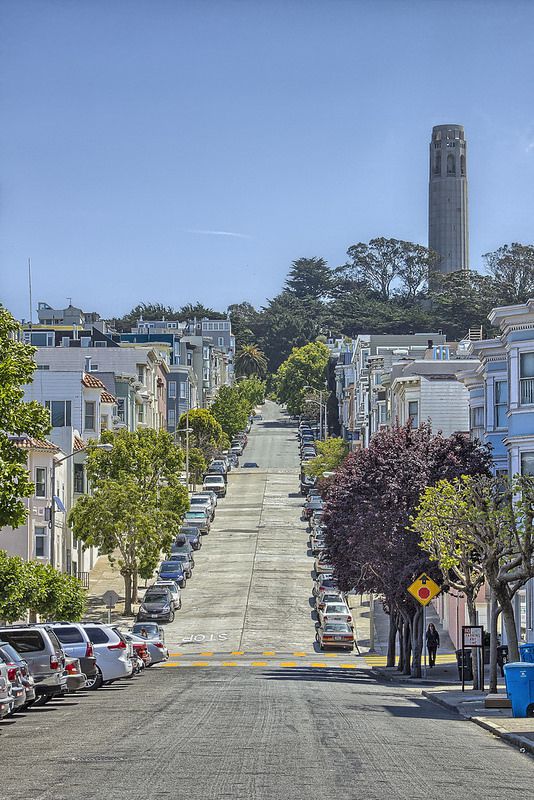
408,622
401,628
493,643
134,585
509,623
475,661
127,577
392,639
417,643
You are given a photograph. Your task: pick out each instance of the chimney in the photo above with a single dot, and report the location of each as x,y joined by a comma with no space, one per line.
87,364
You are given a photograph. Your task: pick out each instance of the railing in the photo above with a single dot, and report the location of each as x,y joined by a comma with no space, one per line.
526,391
84,578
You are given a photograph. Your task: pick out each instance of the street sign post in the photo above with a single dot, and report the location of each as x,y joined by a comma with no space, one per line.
424,589
110,598
473,638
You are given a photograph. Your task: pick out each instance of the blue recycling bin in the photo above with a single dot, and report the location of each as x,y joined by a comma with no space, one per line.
519,677
526,652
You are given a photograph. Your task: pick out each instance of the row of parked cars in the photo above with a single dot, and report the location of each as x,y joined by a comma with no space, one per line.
334,624
163,597
43,661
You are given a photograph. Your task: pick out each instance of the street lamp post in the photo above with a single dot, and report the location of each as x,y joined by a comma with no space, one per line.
52,523
320,404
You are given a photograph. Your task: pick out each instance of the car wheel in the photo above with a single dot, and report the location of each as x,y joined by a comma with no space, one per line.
95,681
42,699
178,607
171,618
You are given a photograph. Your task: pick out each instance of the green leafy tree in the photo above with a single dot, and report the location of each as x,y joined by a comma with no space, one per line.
304,369
309,278
250,360
207,433
13,588
231,410
493,520
245,320
137,503
512,269
16,417
330,455
288,321
252,390
27,586
197,465
461,300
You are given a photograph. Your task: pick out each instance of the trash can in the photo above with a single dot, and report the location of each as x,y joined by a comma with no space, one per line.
519,678
466,667
526,652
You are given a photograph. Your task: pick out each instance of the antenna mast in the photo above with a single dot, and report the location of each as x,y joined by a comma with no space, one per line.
30,290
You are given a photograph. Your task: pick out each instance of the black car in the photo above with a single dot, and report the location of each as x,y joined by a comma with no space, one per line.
157,605
192,535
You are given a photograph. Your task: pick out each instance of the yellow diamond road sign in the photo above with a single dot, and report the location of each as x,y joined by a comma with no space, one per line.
424,589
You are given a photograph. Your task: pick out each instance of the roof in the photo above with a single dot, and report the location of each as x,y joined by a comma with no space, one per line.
91,382
106,397
430,368
29,443
78,444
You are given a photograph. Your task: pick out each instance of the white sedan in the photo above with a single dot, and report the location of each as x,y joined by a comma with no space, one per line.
334,612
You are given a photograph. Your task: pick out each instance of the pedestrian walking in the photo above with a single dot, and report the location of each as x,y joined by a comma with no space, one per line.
432,643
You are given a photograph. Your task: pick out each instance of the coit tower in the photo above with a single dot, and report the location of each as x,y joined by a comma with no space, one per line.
448,232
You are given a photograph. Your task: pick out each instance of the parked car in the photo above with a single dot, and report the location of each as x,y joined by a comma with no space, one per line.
215,483
323,582
7,701
237,448
76,679
158,603
317,543
328,596
140,646
199,518
154,642
193,536
208,493
40,647
315,504
14,676
335,634
174,589
322,564
172,571
196,503
112,654
11,657
334,612
76,643
186,560
148,630
306,483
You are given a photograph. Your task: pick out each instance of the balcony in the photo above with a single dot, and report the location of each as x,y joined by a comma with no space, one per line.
526,391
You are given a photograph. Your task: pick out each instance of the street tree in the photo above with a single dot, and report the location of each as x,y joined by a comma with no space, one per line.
305,369
330,455
16,417
231,410
197,465
368,511
252,390
512,269
138,501
309,278
493,519
206,434
250,360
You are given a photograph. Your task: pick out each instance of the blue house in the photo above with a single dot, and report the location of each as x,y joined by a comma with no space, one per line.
501,408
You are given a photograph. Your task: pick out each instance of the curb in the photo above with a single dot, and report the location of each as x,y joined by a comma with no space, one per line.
513,739
398,677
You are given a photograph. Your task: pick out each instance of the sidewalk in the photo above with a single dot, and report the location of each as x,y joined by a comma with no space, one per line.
102,578
441,685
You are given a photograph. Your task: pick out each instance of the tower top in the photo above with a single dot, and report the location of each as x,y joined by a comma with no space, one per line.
450,132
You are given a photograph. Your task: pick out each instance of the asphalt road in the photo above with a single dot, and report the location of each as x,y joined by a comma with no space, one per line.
258,720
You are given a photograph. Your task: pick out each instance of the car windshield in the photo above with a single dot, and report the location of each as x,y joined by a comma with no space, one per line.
170,566
339,627
199,501
153,597
336,608
180,557
189,531
195,514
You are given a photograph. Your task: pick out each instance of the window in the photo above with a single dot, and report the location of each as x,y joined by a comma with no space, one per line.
120,408
89,421
85,341
100,344
451,166
97,635
172,389
477,422
413,412
527,463
60,414
172,417
42,339
462,165
69,635
65,341
140,373
437,164
526,379
40,481
78,478
500,403
41,542
141,413
189,359
183,391
43,366
220,341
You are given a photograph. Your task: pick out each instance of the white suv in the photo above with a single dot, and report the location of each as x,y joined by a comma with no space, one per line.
112,653
216,484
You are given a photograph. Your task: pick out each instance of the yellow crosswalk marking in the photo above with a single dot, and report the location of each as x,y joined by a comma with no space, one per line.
258,663
317,664
171,664
229,664
237,653
200,663
207,653
288,663
348,666
269,652
300,654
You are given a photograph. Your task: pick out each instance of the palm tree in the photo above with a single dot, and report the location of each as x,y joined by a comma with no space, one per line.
250,360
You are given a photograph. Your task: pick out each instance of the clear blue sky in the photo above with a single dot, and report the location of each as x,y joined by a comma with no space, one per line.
132,131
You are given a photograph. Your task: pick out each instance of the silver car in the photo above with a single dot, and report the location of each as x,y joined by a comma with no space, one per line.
41,648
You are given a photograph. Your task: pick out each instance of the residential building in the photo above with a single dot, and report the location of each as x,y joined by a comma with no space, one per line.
448,231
